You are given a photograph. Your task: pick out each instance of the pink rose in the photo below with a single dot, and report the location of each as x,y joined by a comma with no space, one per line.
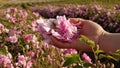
31,54
27,38
22,60
86,58
70,51
29,64
60,27
13,39
1,26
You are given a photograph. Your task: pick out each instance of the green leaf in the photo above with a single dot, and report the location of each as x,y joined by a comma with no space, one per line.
1,38
111,57
98,51
108,57
78,66
117,52
3,51
87,41
96,54
102,56
74,58
88,65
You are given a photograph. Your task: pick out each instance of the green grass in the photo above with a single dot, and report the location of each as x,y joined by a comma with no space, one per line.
19,3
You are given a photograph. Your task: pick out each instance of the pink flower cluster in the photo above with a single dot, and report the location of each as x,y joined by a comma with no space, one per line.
70,51
5,61
18,35
60,27
12,39
24,61
14,15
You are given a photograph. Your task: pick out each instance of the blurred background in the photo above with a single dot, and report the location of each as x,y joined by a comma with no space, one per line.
105,3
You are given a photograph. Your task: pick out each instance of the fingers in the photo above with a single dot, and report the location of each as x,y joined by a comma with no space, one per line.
74,20
78,20
58,43
76,44
81,22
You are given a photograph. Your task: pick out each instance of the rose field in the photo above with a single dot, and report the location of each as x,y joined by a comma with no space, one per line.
25,27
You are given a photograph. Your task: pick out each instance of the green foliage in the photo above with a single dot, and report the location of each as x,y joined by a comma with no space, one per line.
74,58
96,50
4,50
117,52
114,56
78,66
108,57
92,45
88,65
87,41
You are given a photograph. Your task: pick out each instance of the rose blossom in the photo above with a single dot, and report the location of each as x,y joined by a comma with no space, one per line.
12,39
1,26
22,60
66,29
12,10
70,51
44,28
5,61
7,16
31,54
86,58
36,14
29,64
34,39
60,27
28,38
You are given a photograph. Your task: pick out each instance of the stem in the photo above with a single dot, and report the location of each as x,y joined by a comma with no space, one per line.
96,58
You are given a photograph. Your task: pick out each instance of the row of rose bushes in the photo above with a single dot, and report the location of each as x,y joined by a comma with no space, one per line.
107,18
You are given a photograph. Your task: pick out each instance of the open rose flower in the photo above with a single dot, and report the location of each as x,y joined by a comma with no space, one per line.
60,27
27,38
12,39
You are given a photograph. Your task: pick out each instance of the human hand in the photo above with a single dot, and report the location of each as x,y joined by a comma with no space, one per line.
88,28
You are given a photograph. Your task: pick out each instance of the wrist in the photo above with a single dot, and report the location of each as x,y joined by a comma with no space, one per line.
102,40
